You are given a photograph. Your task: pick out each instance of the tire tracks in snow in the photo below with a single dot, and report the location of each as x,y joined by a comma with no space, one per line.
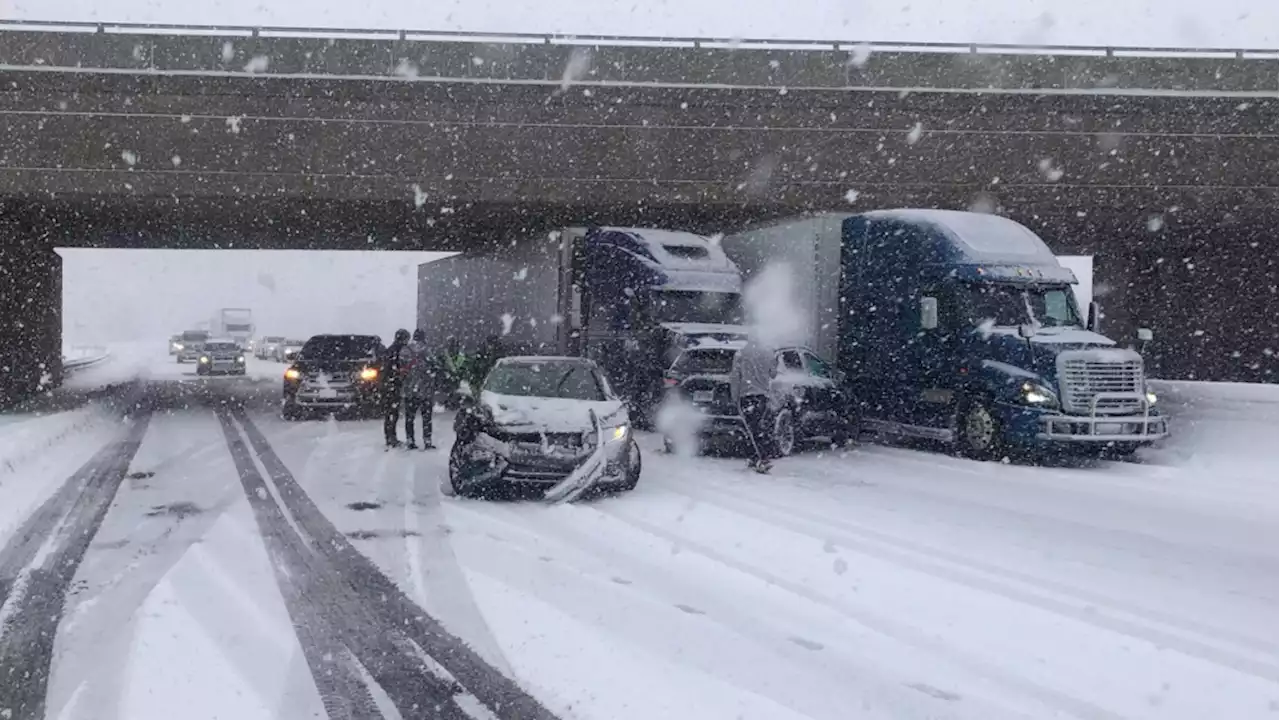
882,624
1186,636
406,652
38,565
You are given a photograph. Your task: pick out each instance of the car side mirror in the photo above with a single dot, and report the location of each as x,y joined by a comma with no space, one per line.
1093,318
1026,331
1145,335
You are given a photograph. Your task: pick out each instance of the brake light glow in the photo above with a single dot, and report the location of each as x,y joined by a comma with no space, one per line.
670,381
292,374
369,373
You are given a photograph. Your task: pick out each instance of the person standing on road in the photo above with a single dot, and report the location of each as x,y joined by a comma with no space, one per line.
423,379
392,386
751,383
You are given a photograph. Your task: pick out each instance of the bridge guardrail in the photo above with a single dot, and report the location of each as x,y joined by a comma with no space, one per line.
852,45
89,357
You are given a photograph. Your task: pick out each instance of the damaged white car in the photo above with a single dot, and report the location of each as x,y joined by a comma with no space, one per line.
551,423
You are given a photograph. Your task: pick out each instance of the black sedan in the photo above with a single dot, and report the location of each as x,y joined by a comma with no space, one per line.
334,374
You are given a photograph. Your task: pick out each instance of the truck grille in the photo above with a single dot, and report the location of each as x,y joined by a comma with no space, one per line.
1081,379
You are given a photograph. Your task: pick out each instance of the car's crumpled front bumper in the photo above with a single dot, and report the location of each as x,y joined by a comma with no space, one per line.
488,460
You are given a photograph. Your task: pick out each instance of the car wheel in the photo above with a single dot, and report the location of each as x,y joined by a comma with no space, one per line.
457,488
633,466
978,431
784,433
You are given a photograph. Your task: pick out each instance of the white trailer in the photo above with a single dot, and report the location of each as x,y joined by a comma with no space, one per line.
804,252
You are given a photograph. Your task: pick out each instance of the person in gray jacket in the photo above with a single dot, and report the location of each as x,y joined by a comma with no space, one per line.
751,383
423,377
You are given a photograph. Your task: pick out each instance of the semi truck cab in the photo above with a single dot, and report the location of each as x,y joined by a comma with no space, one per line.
635,296
962,327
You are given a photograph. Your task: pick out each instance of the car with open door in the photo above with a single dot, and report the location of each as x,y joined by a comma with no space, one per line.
549,424
811,403
334,374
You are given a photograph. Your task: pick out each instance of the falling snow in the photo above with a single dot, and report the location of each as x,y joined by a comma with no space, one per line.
130,157
915,133
257,64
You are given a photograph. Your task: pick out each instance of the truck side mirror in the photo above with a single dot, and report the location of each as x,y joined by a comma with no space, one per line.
1026,331
928,313
1091,321
1145,335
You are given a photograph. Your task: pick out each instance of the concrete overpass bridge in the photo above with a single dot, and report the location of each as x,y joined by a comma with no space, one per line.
1161,163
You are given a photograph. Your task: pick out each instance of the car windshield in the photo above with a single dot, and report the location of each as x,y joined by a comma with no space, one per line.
1011,306
564,380
718,361
195,336
221,346
697,307
341,347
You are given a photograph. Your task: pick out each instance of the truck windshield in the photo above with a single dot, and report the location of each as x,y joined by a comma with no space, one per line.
697,307
1010,306
567,381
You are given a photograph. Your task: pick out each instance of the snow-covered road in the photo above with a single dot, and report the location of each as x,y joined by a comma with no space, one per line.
204,559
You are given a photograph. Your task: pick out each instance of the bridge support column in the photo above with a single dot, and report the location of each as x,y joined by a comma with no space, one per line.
30,313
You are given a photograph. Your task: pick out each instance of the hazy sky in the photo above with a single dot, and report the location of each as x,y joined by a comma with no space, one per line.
1178,23
121,295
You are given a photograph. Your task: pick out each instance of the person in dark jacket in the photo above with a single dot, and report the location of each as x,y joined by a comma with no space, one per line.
392,386
751,385
424,377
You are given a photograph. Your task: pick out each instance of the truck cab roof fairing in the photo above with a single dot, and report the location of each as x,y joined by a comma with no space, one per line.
678,260
972,247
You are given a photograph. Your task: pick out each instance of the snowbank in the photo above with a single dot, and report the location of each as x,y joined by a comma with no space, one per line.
1211,421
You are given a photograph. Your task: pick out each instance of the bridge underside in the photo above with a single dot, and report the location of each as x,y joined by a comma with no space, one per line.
1174,195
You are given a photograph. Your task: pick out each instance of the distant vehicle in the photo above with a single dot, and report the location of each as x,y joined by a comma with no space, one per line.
627,298
535,421
286,351
221,357
190,343
812,402
175,344
233,323
266,347
959,327
334,374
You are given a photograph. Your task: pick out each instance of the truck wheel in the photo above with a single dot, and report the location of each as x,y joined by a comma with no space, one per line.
978,431
784,433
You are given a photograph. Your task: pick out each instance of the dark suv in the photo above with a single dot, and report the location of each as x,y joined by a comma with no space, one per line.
334,374
812,403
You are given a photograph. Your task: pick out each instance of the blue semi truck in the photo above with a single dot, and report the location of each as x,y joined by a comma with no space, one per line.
960,327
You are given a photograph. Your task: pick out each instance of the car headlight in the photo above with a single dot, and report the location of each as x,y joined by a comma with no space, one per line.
368,374
1033,393
617,434
204,359
292,374
240,359
1151,396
